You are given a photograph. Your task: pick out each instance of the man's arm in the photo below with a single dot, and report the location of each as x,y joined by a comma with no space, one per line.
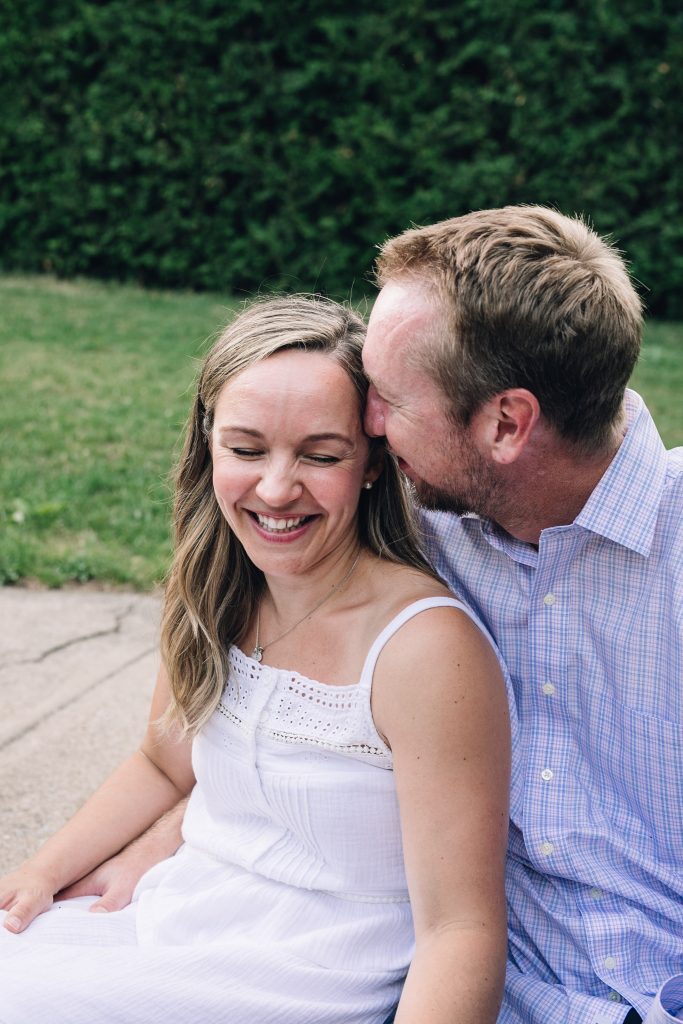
114,880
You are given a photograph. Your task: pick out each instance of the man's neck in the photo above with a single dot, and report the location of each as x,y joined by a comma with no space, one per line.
550,488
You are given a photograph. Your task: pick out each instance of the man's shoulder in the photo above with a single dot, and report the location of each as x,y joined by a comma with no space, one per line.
444,527
670,512
674,467
448,539
646,454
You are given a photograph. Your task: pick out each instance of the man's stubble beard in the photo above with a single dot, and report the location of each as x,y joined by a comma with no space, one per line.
436,500
476,491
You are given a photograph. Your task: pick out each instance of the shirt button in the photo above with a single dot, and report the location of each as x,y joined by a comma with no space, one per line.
549,599
548,689
547,848
547,774
615,997
610,962
595,893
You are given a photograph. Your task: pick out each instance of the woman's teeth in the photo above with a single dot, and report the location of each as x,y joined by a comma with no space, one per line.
279,525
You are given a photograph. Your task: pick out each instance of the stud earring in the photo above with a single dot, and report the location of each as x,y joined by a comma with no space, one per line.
367,486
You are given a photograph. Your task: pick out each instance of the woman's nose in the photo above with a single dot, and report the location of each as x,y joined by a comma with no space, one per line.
279,485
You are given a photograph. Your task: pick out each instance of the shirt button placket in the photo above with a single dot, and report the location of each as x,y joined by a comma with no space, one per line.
546,847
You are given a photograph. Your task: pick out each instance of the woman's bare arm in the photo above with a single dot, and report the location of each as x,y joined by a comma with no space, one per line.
439,698
145,786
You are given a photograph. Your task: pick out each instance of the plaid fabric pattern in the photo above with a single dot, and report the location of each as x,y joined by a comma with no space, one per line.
590,625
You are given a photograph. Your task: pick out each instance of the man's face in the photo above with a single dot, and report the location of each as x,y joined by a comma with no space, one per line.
406,406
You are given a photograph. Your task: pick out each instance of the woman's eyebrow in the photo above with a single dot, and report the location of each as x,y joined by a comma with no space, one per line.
327,435
235,428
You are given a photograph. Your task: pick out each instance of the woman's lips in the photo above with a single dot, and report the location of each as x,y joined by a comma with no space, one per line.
280,528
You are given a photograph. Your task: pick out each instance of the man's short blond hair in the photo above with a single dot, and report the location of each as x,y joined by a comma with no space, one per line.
532,299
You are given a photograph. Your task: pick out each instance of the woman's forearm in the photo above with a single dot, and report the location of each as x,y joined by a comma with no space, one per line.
143,788
130,800
115,880
456,975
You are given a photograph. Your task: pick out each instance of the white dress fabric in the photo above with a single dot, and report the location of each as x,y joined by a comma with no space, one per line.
287,902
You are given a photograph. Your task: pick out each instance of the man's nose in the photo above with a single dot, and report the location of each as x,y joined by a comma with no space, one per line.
374,416
279,484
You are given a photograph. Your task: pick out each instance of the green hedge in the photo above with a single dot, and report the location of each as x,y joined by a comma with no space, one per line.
253,144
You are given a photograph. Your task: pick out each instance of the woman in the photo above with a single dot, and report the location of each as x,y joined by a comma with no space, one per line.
307,650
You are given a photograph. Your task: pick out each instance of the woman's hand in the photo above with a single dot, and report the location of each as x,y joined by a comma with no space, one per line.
24,894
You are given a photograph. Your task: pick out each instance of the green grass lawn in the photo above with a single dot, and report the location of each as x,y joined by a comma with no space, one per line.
97,382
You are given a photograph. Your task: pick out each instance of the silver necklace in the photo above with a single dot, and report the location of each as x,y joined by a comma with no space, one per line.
259,648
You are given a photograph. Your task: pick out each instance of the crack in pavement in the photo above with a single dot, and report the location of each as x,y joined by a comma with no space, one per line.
4,744
112,631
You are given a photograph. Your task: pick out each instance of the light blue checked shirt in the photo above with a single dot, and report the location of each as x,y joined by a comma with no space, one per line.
590,625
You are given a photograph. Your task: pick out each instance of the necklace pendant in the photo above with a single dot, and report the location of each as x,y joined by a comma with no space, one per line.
257,653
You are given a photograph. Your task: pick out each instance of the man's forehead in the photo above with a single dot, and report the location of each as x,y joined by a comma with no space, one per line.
404,319
404,301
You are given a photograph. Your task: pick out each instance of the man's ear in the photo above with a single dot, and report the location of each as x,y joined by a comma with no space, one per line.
507,422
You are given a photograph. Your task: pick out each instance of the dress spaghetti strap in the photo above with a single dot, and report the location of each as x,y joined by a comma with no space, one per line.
407,613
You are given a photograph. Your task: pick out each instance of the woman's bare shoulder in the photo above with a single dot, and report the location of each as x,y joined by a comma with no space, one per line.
399,585
388,589
440,657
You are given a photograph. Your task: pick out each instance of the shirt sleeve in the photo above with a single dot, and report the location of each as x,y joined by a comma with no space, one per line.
668,1004
531,1001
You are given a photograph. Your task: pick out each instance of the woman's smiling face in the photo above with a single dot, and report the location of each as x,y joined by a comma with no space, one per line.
289,460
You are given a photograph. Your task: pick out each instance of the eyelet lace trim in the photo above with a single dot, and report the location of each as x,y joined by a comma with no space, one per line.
289,708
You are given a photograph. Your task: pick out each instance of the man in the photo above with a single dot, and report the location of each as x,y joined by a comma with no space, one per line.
498,350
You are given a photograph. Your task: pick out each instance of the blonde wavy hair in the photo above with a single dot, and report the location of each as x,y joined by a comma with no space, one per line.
213,588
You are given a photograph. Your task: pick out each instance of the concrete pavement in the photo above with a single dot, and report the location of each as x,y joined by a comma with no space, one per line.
77,669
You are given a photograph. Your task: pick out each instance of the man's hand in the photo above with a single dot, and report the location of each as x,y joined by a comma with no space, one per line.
114,880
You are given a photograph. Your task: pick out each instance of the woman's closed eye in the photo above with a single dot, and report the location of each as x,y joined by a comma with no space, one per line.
322,460
317,458
246,453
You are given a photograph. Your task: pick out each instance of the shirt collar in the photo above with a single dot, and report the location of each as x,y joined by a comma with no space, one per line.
625,503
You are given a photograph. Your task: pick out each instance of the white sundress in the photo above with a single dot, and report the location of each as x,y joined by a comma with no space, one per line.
287,903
